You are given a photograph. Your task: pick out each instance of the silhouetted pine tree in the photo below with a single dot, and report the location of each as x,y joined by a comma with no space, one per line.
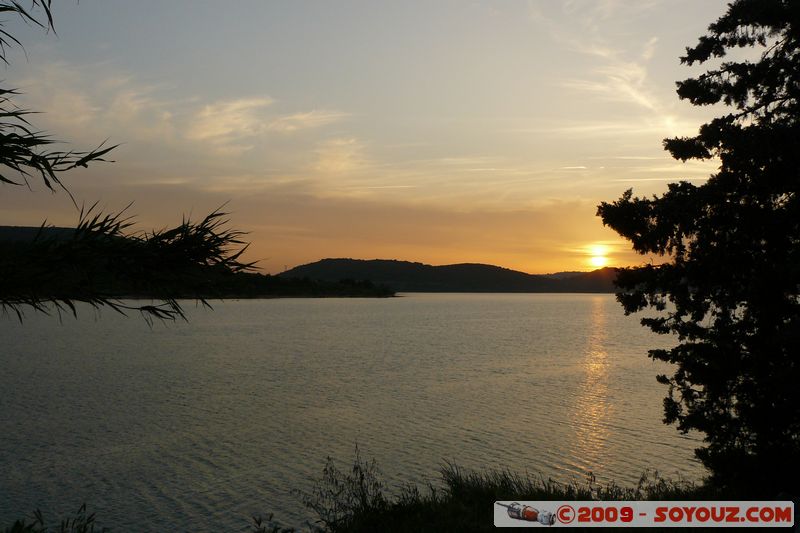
729,288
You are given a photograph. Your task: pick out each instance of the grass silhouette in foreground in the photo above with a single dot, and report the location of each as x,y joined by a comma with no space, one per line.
357,500
80,523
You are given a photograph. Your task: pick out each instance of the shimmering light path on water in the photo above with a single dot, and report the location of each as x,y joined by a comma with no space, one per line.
198,425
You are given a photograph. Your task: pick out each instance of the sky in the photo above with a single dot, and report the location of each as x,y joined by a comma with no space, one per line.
439,132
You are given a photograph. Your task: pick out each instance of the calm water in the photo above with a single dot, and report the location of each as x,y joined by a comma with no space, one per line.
196,426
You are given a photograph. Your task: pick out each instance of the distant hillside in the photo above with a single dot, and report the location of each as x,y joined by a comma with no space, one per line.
562,275
23,273
404,276
28,233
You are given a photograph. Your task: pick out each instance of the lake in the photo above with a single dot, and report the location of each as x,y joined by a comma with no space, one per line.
198,425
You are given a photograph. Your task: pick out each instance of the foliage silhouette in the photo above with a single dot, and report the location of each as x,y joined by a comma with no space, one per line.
729,288
358,499
58,273
79,523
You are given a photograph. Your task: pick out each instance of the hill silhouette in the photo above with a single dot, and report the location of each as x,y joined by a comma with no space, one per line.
61,275
344,277
406,276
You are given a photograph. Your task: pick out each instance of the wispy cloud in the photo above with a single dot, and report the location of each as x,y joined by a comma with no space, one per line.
671,180
340,156
200,138
649,49
630,157
657,125
592,11
230,125
88,102
621,74
390,187
307,120
618,81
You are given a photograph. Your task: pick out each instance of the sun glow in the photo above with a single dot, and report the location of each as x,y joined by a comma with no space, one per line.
598,255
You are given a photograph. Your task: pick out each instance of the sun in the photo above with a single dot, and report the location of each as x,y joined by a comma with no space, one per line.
598,255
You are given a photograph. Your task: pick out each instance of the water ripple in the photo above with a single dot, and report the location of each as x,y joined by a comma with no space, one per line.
197,426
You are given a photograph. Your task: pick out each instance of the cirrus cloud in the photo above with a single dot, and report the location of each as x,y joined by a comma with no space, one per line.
230,124
306,120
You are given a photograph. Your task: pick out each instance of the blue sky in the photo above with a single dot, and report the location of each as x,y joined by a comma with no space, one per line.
430,131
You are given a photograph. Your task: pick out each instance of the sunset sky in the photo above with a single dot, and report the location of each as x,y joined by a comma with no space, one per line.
439,132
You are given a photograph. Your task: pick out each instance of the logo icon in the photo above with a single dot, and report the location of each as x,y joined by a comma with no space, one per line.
529,514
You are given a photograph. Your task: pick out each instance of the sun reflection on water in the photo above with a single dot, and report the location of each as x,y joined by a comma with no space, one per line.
592,407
